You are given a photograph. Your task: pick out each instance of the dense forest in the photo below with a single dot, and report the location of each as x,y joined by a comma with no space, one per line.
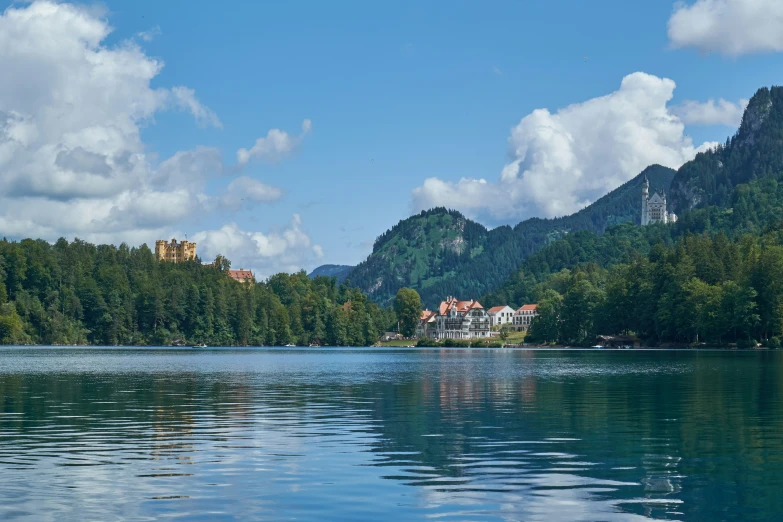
79,293
716,276
440,252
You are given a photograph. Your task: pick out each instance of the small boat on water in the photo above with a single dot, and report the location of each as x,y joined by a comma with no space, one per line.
290,346
598,346
202,345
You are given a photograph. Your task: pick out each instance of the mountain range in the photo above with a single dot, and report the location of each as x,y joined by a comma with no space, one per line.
440,252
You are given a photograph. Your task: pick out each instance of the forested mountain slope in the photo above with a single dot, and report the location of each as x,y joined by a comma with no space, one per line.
755,151
439,252
754,209
716,276
421,251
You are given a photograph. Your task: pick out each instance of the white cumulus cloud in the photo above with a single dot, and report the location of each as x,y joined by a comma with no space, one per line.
564,160
72,161
711,112
274,145
286,250
71,157
729,27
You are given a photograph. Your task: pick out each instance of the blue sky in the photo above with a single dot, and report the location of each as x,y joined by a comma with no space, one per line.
397,93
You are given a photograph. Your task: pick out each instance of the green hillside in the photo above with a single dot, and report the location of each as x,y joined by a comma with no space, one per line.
439,252
422,250
715,276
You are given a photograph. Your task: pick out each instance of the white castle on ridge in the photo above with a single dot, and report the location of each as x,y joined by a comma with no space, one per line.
654,208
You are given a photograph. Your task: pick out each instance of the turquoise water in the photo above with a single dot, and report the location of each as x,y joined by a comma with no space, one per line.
374,434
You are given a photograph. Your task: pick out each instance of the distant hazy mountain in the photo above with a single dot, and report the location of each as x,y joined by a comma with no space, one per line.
440,252
338,271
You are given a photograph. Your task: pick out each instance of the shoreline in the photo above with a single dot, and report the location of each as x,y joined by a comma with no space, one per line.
393,347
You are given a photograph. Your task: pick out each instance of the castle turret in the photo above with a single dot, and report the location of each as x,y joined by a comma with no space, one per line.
160,250
664,214
645,199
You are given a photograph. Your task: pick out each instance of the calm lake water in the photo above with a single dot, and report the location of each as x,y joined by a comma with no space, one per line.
366,434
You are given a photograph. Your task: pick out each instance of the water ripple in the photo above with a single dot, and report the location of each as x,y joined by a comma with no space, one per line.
145,434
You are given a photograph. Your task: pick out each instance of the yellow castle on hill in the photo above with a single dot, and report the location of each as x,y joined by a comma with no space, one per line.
174,252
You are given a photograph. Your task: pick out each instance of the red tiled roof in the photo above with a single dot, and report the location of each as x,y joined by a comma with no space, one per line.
495,309
444,307
462,307
528,308
241,274
427,315
474,304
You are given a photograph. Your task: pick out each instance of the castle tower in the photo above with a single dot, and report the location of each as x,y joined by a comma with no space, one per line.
175,252
645,200
664,214
160,249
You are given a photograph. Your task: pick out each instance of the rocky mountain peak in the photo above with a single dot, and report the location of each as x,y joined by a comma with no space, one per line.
757,111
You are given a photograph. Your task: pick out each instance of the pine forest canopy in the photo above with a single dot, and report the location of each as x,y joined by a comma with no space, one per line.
78,293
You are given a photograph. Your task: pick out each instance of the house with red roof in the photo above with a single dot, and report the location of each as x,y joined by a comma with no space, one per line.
428,323
500,315
457,319
242,275
524,316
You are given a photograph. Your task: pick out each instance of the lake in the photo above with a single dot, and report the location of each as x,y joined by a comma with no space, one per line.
390,434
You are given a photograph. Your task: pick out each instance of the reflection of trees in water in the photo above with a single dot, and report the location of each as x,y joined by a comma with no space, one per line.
163,406
677,422
673,424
